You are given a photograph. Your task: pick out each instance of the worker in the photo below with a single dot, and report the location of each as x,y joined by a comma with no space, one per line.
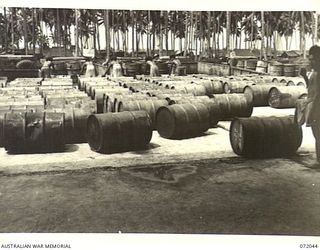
90,68
175,63
47,68
154,70
115,68
232,61
310,108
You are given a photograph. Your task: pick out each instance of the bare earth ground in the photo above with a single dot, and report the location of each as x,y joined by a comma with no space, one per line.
190,186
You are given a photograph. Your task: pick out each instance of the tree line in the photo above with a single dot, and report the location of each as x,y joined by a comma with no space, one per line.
196,31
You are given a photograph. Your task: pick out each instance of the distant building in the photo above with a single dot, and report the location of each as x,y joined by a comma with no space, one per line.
244,54
290,54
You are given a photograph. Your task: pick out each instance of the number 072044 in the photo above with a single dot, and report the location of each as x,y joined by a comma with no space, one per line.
308,245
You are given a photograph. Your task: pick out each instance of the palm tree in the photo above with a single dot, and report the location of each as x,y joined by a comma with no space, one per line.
304,20
186,34
286,26
235,28
5,32
250,27
315,27
77,16
228,29
208,32
25,29
107,32
263,34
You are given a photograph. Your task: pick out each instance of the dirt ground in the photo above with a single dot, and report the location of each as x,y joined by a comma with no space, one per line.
189,186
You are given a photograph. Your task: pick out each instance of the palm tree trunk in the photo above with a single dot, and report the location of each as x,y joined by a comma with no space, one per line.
315,28
209,33
124,38
274,44
149,34
25,30
5,29
214,42
263,34
118,33
267,34
137,37
107,32
218,35
166,30
302,35
127,43
12,27
65,32
141,42
174,33
77,32
113,30
161,34
236,42
251,40
186,35
228,29
36,21
153,41
191,31
240,40
81,43
132,27
94,38
196,49
118,40
33,33
222,36
58,31
98,36
195,38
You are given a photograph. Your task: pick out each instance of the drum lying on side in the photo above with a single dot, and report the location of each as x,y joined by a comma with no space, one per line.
262,137
119,132
179,121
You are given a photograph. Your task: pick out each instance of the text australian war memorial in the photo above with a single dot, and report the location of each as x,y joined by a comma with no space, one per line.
112,88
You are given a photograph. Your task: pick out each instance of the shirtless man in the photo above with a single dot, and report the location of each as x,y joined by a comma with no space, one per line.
312,109
90,68
154,70
46,68
175,63
115,67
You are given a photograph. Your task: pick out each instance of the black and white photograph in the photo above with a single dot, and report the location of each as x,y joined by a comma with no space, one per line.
160,119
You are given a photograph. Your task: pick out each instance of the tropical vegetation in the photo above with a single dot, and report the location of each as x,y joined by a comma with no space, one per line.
141,30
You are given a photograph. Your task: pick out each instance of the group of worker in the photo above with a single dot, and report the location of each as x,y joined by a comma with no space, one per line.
114,67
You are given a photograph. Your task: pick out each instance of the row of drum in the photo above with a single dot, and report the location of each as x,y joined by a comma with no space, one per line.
258,79
262,95
132,130
222,107
249,137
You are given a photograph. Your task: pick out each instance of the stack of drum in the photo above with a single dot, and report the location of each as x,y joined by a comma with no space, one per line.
33,110
119,114
33,131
